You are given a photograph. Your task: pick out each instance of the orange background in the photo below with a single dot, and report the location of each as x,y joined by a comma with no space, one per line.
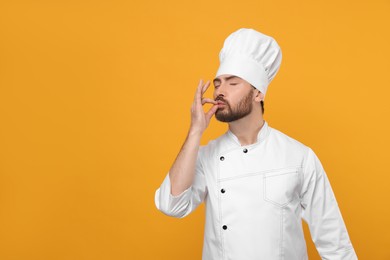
95,101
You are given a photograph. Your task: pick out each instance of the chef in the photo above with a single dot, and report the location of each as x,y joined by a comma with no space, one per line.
257,183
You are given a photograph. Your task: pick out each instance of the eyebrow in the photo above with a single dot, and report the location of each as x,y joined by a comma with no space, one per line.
226,79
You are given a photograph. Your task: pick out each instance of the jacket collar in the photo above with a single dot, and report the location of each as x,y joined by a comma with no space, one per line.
263,133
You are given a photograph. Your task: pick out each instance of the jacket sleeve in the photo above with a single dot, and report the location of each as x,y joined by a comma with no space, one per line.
322,214
183,204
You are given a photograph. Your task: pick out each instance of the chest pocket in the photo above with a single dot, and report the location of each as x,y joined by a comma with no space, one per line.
282,186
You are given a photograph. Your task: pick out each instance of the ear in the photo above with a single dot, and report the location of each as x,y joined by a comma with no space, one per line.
259,96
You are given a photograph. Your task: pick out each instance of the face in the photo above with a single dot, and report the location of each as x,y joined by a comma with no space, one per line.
235,96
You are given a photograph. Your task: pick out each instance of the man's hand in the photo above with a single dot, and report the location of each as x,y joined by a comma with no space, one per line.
199,119
182,172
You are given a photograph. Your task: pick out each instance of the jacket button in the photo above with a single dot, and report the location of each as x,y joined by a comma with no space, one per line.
245,150
222,158
223,190
224,227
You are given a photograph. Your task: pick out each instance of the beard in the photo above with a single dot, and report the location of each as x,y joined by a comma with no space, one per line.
243,108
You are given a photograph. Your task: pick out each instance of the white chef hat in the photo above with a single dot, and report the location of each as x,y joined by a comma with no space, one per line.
252,56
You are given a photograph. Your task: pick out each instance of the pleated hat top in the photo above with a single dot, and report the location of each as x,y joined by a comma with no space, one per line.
252,56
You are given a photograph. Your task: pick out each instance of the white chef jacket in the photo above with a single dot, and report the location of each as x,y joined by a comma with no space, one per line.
256,196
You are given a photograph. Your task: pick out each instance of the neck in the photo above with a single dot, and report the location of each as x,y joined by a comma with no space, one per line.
247,128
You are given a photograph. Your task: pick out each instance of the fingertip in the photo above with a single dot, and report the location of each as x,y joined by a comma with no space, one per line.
214,108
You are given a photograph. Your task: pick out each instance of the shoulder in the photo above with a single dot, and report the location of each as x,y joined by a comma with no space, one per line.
308,155
287,142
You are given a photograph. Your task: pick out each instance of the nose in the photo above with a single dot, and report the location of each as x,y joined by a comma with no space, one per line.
220,90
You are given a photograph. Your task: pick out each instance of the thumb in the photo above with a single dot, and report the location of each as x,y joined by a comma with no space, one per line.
211,112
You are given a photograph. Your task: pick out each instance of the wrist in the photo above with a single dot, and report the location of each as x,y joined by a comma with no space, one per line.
195,133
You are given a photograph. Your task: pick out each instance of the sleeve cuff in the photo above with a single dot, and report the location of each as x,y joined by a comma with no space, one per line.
175,206
347,254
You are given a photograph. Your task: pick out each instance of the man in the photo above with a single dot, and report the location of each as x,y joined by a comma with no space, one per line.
257,183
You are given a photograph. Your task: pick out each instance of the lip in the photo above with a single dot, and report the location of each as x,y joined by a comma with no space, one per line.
220,104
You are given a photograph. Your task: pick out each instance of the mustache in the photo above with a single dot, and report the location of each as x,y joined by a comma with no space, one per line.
220,99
